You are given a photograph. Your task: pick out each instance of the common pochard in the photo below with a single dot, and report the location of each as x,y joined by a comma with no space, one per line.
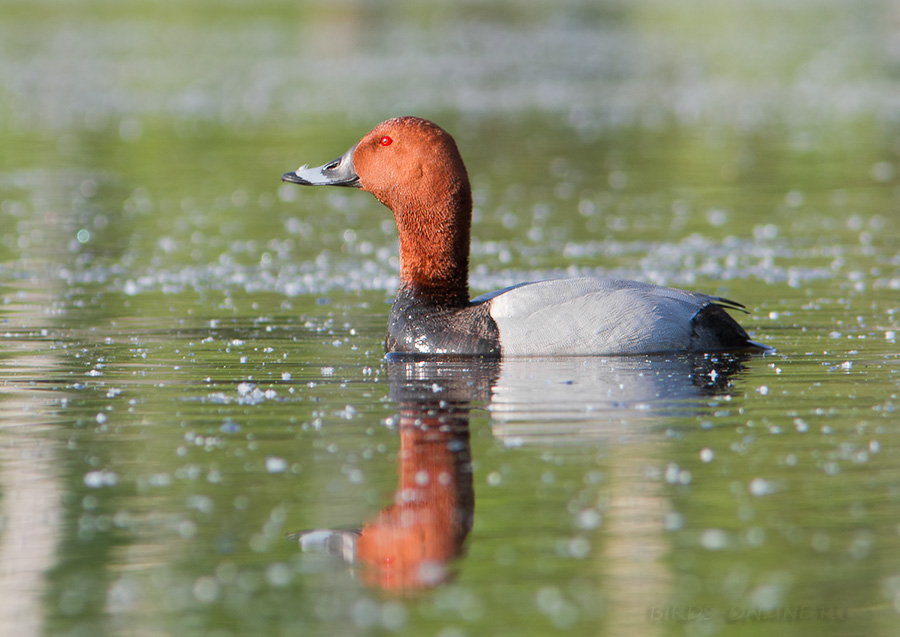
414,168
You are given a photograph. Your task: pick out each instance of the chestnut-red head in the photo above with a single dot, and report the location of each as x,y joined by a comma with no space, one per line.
413,167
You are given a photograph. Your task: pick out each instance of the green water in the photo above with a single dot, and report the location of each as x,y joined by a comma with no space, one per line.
191,363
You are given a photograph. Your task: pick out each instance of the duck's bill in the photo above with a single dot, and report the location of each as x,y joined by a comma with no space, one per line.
339,172
339,542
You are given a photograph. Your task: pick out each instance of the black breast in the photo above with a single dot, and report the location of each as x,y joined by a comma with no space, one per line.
421,326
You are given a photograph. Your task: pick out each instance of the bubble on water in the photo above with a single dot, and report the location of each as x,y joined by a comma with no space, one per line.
673,521
364,612
250,394
103,478
588,519
123,595
714,539
159,480
861,545
794,198
755,536
245,388
288,193
276,465
820,542
707,455
186,529
229,427
617,180
130,129
672,473
883,171
767,596
551,602
347,413
760,487
279,575
579,548
206,589
393,616
716,217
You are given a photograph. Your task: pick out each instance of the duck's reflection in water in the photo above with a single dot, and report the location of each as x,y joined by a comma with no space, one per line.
576,399
410,545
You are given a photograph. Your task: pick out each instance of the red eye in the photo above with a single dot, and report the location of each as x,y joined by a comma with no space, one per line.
385,141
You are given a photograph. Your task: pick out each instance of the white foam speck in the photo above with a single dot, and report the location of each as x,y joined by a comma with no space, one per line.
760,487
713,539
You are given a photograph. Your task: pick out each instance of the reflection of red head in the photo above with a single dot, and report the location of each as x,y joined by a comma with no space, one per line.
408,544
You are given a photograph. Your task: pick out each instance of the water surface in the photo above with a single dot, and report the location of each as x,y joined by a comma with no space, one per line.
192,376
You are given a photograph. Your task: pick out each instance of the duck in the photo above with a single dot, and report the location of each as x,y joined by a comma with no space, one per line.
413,167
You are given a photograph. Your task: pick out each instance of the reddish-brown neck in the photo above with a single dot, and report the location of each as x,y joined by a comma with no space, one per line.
434,244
